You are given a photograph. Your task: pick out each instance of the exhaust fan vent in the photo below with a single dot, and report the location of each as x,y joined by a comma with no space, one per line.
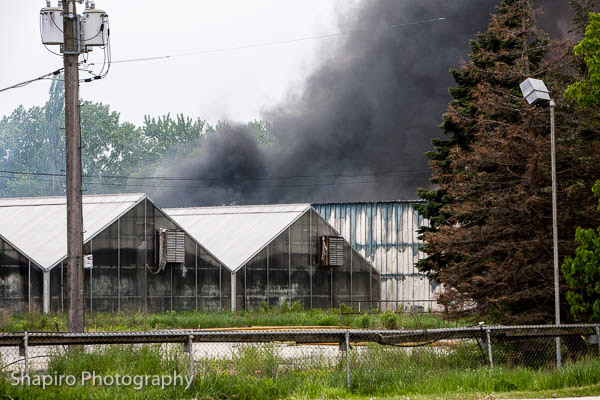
332,251
171,248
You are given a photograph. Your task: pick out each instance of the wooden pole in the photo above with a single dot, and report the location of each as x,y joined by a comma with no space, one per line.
71,53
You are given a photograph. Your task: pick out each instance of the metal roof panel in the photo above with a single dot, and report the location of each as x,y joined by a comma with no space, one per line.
234,234
37,227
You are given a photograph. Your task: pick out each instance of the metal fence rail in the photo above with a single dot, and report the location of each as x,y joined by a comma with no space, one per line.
476,346
296,335
379,306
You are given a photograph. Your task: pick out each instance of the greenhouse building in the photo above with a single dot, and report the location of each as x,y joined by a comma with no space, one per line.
127,264
281,253
138,257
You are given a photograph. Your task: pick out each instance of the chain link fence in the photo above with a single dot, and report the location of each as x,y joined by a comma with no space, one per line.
364,361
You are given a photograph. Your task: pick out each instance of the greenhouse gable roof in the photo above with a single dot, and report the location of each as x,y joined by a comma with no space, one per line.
37,226
235,234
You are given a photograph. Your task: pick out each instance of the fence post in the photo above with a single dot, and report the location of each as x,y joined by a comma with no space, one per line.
26,352
558,355
489,347
190,349
598,337
347,360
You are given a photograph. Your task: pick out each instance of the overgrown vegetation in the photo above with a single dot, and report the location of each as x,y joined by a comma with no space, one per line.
286,315
261,372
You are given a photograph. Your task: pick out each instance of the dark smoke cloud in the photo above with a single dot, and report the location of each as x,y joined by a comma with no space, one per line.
556,17
372,106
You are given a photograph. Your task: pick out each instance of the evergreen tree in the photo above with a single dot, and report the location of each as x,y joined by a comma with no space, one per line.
490,242
460,120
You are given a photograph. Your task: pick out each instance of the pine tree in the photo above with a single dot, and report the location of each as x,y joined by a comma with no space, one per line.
490,241
460,120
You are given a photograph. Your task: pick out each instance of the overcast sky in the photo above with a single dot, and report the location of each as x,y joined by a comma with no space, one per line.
230,84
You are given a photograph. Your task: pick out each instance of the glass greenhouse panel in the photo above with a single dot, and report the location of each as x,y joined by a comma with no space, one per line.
105,278
184,279
132,260
209,282
301,265
16,273
256,281
279,273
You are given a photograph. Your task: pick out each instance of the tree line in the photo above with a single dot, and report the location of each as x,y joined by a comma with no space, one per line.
32,156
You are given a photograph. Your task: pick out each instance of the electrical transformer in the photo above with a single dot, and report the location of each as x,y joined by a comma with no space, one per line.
91,27
51,21
94,28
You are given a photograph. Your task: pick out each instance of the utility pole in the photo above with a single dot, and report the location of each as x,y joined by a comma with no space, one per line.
71,51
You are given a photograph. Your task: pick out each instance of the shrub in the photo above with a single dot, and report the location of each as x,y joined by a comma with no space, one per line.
364,321
390,320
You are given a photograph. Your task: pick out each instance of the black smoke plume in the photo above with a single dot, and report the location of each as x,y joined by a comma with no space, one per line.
359,128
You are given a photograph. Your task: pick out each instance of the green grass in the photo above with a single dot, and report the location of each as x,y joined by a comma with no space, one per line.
259,372
280,316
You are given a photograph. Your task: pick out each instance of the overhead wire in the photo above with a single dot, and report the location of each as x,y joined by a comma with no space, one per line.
258,187
38,175
270,43
39,78
107,62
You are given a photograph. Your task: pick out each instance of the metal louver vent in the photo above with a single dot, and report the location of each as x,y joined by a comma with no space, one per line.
175,246
171,247
332,251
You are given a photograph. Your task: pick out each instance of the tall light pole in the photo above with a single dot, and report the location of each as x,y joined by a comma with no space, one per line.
535,91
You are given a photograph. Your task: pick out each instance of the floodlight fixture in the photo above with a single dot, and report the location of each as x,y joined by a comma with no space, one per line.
535,91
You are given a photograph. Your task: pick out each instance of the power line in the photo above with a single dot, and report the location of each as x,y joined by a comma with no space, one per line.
271,43
37,179
107,52
313,184
274,178
39,78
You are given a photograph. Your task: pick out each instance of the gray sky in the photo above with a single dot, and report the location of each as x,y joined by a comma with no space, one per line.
231,84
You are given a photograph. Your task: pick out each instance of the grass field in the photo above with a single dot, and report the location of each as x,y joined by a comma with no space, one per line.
456,372
259,373
280,316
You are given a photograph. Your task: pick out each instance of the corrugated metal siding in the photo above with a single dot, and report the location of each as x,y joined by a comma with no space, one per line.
385,233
